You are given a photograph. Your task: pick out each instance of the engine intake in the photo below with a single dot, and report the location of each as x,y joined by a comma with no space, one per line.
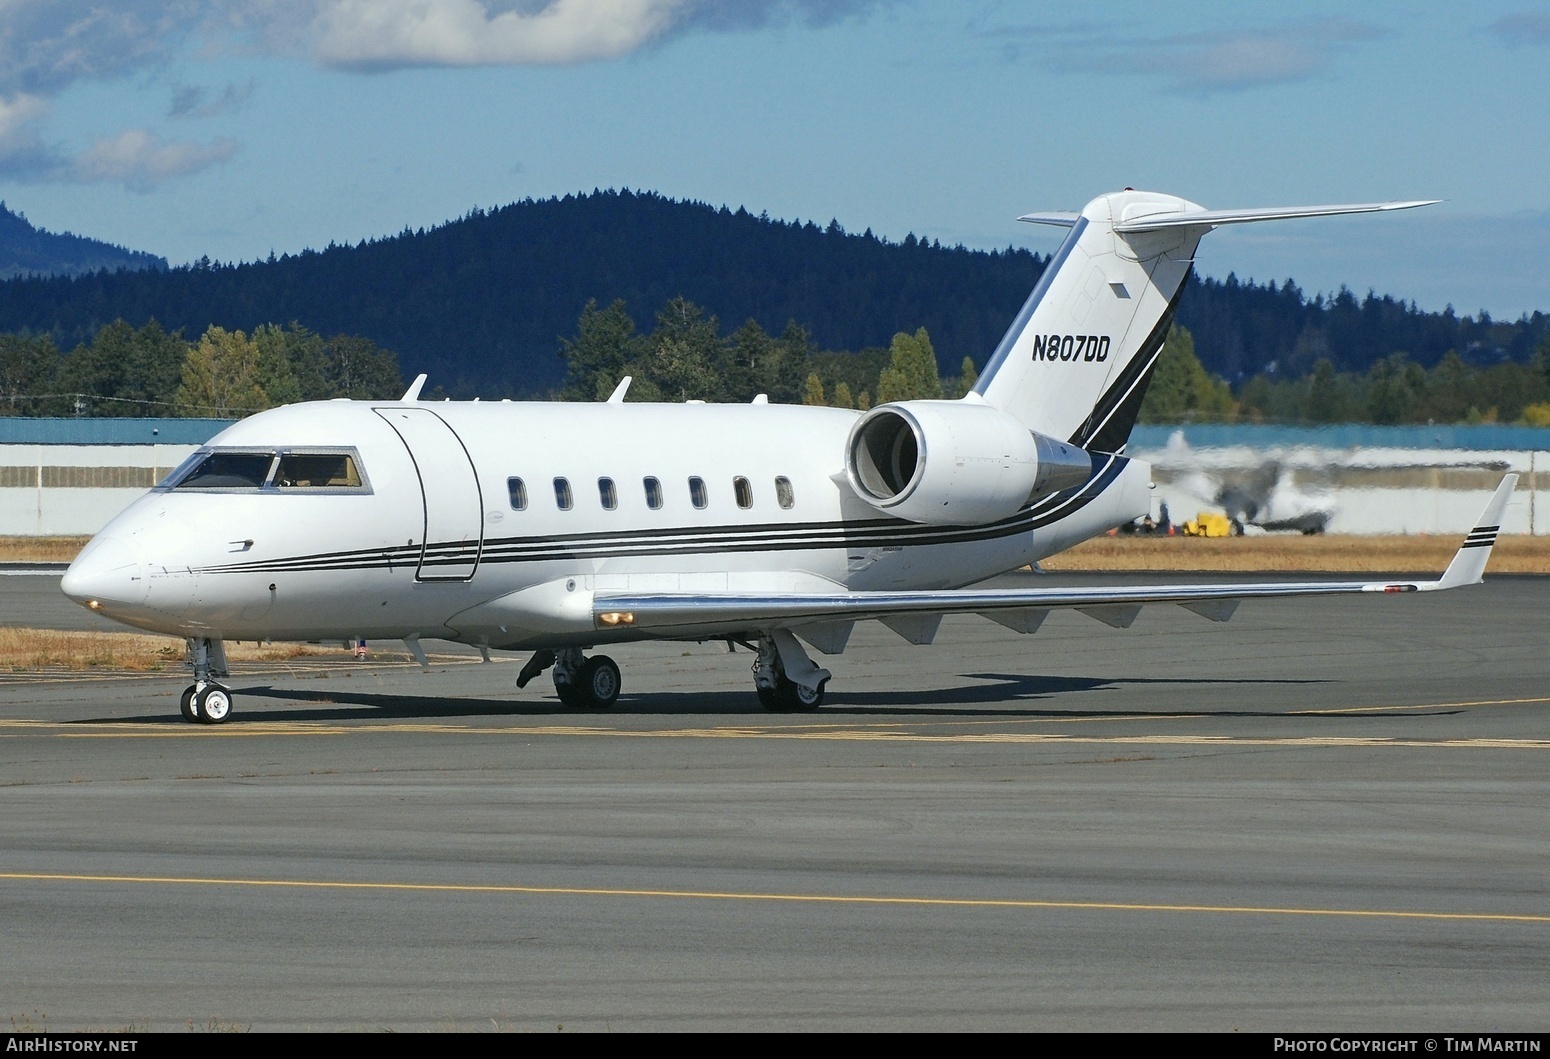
955,463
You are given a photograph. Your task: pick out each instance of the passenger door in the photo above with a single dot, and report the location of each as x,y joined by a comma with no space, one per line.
449,491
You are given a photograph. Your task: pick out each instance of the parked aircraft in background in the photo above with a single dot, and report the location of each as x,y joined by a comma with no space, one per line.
557,528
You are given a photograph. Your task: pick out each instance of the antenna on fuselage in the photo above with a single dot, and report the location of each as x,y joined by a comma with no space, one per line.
413,393
617,397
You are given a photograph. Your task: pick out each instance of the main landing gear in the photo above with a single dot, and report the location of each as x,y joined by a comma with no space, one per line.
204,701
582,683
785,678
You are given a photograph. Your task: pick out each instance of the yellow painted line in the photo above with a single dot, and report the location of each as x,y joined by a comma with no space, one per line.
1421,706
253,729
816,899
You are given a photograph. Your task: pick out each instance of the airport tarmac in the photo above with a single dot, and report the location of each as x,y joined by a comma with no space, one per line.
1324,815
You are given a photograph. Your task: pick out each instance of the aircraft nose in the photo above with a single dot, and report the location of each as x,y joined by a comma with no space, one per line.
107,574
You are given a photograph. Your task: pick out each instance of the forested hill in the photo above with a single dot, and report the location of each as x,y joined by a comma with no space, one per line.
25,250
481,302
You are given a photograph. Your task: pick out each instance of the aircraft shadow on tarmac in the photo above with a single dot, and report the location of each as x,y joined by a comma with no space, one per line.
333,704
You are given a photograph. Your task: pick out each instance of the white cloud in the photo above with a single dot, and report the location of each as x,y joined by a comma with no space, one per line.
47,44
21,148
141,160
386,33
373,33
1196,63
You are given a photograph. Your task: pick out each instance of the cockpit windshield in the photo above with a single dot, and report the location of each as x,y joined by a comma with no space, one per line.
228,470
283,470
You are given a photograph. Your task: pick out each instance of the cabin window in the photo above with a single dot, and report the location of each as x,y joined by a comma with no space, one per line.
562,495
783,494
653,494
697,495
310,470
224,470
517,491
743,491
607,494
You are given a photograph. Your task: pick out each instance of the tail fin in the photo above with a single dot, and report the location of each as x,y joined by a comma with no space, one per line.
1076,362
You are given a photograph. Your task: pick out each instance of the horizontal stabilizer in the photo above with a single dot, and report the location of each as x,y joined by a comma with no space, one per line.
1057,218
1214,218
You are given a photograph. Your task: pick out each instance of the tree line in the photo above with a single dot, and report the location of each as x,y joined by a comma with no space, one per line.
148,371
480,303
1393,391
685,357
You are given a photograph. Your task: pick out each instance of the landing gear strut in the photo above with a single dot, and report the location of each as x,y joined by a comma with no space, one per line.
779,655
204,701
581,682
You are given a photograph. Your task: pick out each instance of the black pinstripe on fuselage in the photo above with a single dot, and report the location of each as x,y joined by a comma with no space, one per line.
691,540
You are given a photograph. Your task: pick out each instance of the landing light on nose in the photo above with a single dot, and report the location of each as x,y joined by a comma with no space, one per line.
106,573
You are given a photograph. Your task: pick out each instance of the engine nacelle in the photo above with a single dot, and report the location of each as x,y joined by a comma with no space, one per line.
955,463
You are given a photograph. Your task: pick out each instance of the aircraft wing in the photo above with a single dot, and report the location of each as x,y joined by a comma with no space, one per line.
710,613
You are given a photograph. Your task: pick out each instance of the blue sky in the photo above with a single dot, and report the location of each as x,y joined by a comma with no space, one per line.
230,129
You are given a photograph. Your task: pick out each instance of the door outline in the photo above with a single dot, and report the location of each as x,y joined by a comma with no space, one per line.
442,560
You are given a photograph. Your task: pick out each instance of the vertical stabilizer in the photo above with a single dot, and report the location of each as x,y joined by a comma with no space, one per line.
1076,361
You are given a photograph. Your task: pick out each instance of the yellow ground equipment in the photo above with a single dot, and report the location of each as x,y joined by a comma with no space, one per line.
1210,524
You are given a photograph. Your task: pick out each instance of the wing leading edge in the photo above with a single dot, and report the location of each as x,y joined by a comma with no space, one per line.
687,614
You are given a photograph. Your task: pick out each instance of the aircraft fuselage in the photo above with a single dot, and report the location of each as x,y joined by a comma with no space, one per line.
455,506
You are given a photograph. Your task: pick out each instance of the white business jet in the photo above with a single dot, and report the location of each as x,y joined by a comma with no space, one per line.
557,528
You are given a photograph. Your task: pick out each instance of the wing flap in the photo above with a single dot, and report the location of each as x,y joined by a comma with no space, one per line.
682,614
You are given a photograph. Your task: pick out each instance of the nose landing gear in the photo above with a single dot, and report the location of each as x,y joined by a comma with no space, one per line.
204,701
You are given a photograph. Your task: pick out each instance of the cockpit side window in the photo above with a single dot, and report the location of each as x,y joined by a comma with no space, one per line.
306,470
226,470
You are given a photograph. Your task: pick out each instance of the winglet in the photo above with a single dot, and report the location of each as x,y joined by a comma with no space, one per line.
617,397
413,393
1468,564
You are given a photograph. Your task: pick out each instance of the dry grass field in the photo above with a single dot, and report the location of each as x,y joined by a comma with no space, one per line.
33,650
40,549
1515,554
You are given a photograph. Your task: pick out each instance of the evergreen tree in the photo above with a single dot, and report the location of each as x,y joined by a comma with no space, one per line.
361,370
28,365
1329,399
305,357
602,353
1394,389
911,373
794,351
842,398
813,394
751,360
275,375
686,353
95,371
220,377
1181,388
154,371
